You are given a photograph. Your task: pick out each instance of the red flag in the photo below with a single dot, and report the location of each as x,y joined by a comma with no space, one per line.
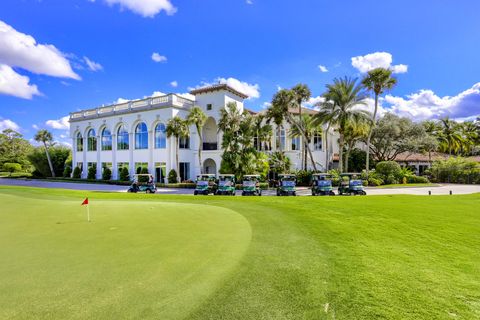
85,202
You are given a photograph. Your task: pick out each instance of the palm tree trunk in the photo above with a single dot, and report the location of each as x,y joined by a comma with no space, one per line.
49,160
279,130
200,148
340,154
326,148
370,134
305,157
347,156
176,159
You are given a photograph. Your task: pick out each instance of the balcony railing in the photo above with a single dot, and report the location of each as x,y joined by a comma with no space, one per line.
210,146
131,106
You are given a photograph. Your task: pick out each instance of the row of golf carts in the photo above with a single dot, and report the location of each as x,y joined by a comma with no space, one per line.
322,184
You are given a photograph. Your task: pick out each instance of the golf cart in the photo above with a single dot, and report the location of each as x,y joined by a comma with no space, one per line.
251,185
226,185
138,186
322,184
205,184
351,184
286,185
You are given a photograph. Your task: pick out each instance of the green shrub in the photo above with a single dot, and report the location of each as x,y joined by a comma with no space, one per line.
172,176
58,155
455,170
77,173
391,179
124,174
388,171
92,173
335,177
106,174
416,179
374,182
12,167
67,172
304,177
143,170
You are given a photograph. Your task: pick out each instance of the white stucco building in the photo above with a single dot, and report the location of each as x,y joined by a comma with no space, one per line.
132,135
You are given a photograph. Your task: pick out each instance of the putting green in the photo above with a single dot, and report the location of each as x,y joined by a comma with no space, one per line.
163,259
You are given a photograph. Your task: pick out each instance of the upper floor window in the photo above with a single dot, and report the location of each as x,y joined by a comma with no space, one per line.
184,143
209,107
295,143
122,138
91,140
106,140
141,136
160,136
79,142
281,140
317,141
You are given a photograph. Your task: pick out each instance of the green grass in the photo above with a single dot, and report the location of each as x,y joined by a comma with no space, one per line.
183,257
409,185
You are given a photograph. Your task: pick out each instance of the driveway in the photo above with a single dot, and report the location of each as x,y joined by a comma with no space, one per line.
443,189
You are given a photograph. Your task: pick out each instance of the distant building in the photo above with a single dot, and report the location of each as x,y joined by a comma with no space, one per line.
132,135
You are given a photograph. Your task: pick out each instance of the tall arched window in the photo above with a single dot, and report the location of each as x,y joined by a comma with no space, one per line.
91,140
106,140
122,138
141,136
79,142
160,136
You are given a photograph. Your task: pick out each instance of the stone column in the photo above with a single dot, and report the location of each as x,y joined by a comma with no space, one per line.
84,165
114,157
151,145
131,146
99,160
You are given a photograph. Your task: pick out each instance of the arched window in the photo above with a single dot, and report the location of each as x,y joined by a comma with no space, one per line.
160,136
122,138
106,140
91,140
79,142
141,136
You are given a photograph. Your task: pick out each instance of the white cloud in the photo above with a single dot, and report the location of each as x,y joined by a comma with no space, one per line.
34,126
157,94
120,100
377,60
251,90
145,8
249,2
21,50
174,84
8,124
266,105
322,68
158,58
187,96
14,84
61,123
425,104
311,103
92,66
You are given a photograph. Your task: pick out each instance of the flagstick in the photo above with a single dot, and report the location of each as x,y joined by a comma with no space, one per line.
88,212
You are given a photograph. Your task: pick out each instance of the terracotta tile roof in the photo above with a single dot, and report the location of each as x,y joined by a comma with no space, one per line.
218,87
420,157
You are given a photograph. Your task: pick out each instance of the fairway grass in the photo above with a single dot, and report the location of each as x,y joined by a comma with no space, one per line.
183,257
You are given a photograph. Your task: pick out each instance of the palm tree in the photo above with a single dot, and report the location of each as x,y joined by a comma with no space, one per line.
310,128
198,118
177,128
229,123
450,136
301,94
378,81
276,112
355,132
341,108
263,131
46,138
470,134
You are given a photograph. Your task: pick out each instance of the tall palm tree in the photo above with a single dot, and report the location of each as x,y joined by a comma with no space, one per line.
471,136
198,118
263,131
177,128
377,81
46,138
276,113
229,123
301,94
310,128
341,108
450,136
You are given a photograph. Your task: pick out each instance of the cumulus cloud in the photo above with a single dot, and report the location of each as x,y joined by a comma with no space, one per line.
251,90
145,8
174,84
425,104
21,50
14,84
322,68
266,105
377,60
60,124
120,100
157,94
158,58
92,66
249,2
8,124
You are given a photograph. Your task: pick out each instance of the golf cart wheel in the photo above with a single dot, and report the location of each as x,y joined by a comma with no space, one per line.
260,193
278,193
129,190
331,193
148,191
294,194
195,192
233,193
363,193
243,193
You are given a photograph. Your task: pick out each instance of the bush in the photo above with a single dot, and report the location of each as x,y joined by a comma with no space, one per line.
124,174
67,172
12,167
106,174
58,155
77,173
374,182
335,177
416,179
304,177
92,173
388,170
455,170
143,170
172,176
391,179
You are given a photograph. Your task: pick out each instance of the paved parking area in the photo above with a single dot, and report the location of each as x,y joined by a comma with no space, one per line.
301,191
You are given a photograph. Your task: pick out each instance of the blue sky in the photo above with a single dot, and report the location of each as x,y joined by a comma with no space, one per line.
80,54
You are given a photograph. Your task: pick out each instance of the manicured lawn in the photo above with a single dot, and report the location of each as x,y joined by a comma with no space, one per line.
184,257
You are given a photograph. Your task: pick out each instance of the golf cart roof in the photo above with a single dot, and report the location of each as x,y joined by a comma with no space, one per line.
226,175
287,175
206,175
252,175
322,174
350,174
142,174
